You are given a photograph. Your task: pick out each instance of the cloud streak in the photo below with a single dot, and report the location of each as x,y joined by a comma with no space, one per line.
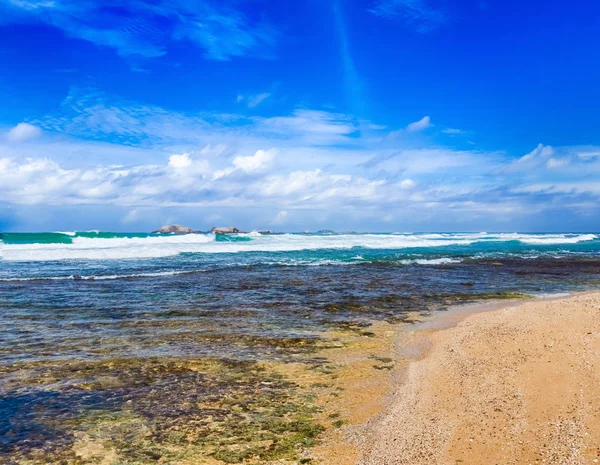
254,100
141,28
418,14
420,125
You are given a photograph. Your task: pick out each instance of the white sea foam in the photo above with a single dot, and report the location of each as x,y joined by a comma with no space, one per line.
102,277
551,295
66,233
170,245
557,239
431,261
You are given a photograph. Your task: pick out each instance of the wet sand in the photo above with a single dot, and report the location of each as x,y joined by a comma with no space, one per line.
516,385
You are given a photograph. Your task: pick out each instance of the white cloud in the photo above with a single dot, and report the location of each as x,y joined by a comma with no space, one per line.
420,125
454,131
256,100
245,181
180,161
587,154
407,184
281,217
144,28
557,162
22,132
317,160
33,5
541,151
94,115
260,160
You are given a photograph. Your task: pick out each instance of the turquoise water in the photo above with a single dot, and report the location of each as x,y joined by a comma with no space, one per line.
114,255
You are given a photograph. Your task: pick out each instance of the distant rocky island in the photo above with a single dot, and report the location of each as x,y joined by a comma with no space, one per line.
173,229
178,229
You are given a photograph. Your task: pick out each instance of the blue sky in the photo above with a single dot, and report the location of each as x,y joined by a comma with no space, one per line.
370,115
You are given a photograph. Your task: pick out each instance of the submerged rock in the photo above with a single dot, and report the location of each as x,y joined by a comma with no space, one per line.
173,229
229,230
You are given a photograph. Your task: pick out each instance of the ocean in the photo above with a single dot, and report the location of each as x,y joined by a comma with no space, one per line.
73,351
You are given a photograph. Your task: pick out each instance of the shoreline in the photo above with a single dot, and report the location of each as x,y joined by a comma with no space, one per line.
471,385
333,401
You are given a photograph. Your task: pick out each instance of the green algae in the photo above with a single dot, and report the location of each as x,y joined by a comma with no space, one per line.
488,296
141,411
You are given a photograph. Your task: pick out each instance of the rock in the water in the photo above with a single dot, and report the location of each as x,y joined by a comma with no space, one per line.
173,229
229,230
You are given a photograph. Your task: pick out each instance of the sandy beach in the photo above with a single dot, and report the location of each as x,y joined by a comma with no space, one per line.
516,385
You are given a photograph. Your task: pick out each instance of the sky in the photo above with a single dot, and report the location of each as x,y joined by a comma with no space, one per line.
367,115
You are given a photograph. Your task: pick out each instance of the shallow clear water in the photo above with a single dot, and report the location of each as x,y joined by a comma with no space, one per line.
194,294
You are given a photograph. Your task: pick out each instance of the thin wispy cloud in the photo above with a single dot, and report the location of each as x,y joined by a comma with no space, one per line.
454,131
140,28
418,14
352,81
95,115
423,123
253,100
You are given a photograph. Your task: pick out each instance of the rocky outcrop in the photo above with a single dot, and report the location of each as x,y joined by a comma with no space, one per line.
173,229
229,230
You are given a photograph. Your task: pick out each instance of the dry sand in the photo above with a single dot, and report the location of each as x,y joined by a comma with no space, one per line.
518,385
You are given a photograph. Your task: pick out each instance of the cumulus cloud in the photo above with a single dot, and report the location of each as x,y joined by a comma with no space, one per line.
147,157
22,132
420,125
188,180
257,163
180,161
260,160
